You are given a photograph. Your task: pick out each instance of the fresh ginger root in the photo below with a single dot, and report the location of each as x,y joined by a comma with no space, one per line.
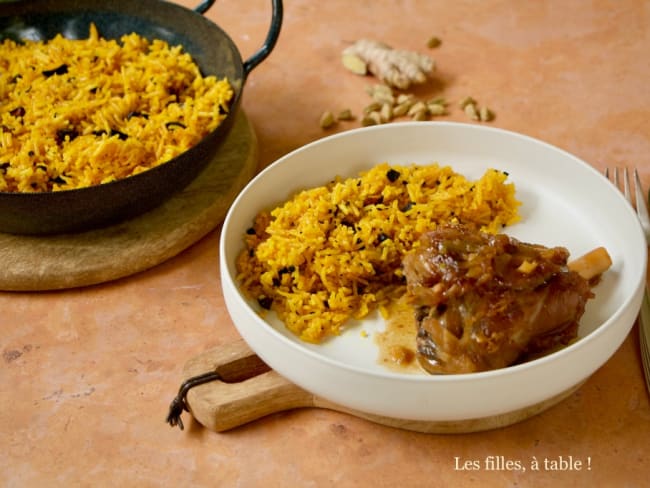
395,67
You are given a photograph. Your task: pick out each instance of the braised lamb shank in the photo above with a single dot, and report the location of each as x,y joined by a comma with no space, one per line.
485,301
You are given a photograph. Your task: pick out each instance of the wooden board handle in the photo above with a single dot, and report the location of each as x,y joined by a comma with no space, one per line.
249,389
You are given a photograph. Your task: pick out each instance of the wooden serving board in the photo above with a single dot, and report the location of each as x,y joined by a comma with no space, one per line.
31,263
250,390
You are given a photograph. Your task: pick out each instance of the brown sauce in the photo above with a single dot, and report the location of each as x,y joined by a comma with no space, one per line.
397,342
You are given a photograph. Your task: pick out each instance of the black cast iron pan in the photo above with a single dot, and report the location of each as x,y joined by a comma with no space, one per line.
213,50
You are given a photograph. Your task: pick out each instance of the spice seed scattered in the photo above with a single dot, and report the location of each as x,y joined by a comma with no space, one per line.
485,114
345,114
433,42
471,112
467,101
327,120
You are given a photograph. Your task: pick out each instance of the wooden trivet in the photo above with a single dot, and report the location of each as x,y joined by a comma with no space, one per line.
34,263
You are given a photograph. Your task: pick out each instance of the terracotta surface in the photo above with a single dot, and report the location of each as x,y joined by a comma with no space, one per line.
88,374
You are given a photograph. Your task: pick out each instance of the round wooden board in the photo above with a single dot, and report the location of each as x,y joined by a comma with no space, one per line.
34,263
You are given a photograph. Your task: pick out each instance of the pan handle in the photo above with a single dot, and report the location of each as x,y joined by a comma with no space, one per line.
271,38
204,6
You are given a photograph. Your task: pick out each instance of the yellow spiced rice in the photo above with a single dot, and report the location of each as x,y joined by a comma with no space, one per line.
77,113
334,252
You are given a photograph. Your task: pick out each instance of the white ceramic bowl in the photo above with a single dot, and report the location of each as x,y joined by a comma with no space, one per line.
565,202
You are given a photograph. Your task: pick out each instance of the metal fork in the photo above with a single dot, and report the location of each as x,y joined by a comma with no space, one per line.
644,220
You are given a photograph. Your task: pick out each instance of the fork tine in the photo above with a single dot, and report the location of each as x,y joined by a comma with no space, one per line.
644,221
615,179
639,202
641,205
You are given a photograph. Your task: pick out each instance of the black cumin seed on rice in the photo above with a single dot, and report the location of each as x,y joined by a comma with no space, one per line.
62,134
392,175
175,123
265,302
130,115
286,270
382,237
59,70
58,180
120,135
